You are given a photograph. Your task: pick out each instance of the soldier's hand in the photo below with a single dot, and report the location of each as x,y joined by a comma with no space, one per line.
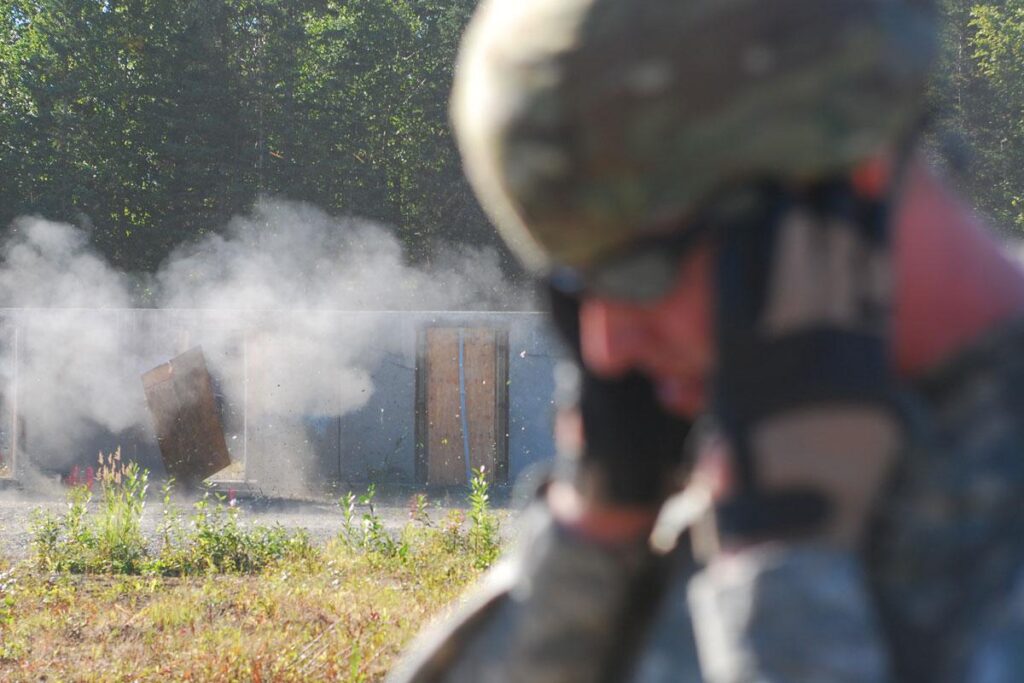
632,449
804,393
810,432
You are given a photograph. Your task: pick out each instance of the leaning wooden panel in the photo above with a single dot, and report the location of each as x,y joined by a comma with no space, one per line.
186,418
445,461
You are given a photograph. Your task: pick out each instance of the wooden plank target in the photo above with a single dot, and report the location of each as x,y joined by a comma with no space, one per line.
459,372
481,406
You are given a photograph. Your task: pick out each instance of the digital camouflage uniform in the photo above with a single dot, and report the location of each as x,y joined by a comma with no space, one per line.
587,125
940,598
948,557
943,595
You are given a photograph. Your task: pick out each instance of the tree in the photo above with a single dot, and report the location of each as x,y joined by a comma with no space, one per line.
998,52
154,121
979,106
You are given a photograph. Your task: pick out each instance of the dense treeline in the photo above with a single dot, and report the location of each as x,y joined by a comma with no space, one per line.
154,121
157,120
977,120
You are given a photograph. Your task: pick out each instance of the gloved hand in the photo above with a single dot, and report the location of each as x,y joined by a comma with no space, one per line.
804,392
807,406
632,448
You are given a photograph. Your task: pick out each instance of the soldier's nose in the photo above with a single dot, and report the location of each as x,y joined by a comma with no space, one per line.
611,336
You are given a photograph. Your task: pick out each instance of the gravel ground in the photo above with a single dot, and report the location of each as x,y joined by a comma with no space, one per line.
320,517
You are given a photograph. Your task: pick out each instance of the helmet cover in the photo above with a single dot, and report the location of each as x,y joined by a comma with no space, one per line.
586,124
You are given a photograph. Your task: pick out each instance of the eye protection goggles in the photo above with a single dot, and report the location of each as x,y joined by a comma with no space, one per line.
649,267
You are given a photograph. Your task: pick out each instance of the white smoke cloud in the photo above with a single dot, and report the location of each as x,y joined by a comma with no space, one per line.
47,265
290,257
66,383
287,256
276,277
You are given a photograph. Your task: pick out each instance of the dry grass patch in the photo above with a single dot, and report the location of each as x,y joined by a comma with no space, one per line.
343,617
218,601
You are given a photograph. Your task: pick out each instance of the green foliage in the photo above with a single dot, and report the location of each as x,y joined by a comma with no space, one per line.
343,618
171,531
998,54
111,541
484,541
157,120
418,510
267,604
9,649
154,121
107,537
119,545
64,543
369,535
216,543
978,97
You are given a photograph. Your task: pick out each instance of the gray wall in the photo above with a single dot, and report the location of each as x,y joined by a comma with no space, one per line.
379,439
373,442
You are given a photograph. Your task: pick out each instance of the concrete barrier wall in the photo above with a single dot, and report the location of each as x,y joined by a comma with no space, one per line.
52,361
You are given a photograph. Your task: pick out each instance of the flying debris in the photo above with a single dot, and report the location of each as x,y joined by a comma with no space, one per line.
186,418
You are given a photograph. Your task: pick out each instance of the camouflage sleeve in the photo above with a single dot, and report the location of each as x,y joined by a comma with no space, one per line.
995,652
785,613
559,609
944,570
948,564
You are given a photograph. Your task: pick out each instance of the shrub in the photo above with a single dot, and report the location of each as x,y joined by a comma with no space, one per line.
65,543
118,544
111,540
369,535
484,538
212,540
217,543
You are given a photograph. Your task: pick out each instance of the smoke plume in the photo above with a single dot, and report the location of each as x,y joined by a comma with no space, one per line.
274,280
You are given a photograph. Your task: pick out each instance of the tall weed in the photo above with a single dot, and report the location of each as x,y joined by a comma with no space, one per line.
369,534
484,538
120,547
220,544
215,542
111,539
106,535
64,543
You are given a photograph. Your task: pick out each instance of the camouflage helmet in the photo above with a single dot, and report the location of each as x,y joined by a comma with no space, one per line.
585,125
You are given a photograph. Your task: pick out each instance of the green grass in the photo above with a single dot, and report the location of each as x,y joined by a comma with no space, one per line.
211,599
110,541
343,617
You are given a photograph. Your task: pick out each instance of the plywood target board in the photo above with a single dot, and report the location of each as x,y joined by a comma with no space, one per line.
186,418
464,404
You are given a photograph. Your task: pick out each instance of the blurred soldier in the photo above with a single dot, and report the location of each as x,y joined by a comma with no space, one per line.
726,202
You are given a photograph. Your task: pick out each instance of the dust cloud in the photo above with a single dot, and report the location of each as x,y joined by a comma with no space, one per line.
293,285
